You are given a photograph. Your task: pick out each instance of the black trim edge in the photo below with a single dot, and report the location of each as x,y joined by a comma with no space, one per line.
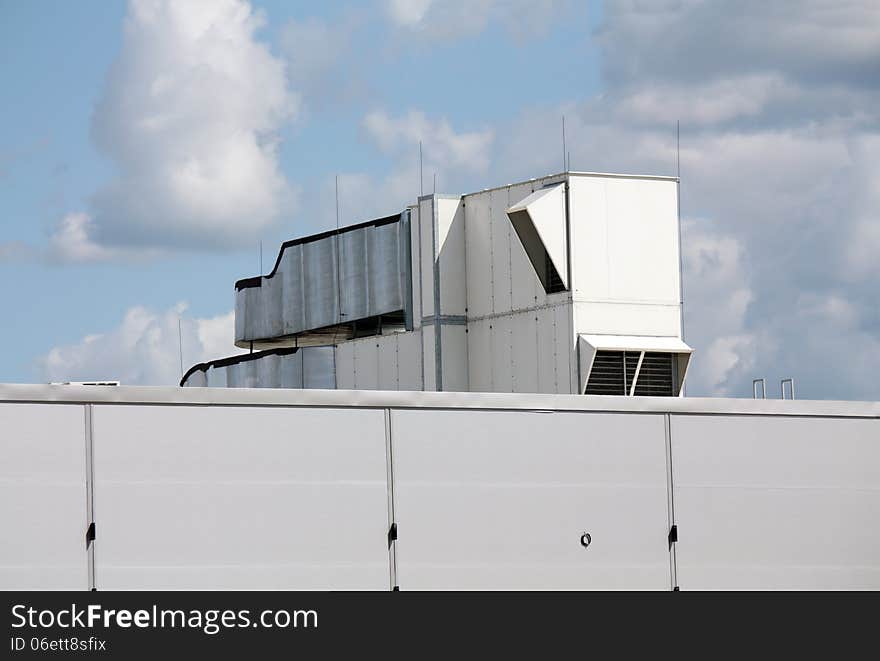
235,360
255,281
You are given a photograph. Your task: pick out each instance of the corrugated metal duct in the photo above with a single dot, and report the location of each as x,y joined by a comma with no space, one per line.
340,277
305,367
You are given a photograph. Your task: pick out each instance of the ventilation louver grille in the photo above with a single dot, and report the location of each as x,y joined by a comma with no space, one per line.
656,375
613,373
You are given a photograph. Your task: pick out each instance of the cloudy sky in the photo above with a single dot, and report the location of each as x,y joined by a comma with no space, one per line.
146,149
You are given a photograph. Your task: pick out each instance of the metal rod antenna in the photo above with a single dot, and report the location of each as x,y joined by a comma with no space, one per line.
180,344
678,148
421,176
338,270
680,251
564,149
261,256
435,184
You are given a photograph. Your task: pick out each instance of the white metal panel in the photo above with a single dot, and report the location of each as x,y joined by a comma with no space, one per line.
624,238
627,318
500,340
453,267
43,512
366,364
429,358
345,366
230,498
494,500
455,353
479,356
477,251
426,222
409,361
546,330
776,502
524,355
527,289
566,365
502,286
387,361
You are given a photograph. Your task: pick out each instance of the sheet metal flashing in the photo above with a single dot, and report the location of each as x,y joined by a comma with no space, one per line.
40,393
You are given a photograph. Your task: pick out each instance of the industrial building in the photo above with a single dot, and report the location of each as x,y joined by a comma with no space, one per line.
570,283
561,454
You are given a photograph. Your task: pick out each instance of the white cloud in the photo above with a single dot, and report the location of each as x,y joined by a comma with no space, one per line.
408,12
442,145
453,19
717,295
144,349
320,61
811,40
190,116
718,101
71,241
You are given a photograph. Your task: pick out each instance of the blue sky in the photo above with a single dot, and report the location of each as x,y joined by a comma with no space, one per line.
142,162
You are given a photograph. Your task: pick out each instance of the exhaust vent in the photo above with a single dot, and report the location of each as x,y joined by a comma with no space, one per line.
657,375
613,373
539,222
632,365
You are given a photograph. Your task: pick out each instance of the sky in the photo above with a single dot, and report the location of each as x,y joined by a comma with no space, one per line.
148,148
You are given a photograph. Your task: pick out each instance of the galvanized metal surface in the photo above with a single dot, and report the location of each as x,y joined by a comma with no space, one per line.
305,367
358,273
